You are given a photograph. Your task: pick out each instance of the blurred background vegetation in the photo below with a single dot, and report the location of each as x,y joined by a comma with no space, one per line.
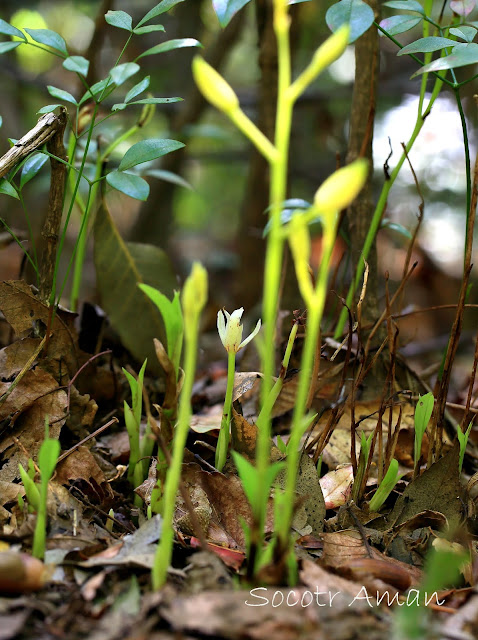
214,210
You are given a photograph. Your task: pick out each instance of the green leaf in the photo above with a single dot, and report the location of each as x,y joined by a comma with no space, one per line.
47,458
354,12
407,5
147,150
120,267
31,167
97,89
157,10
423,45
8,30
169,45
148,29
168,176
61,95
137,89
226,9
1,121
7,189
128,183
8,46
248,475
465,33
399,24
49,108
119,19
462,55
48,37
31,489
395,226
77,64
156,100
124,71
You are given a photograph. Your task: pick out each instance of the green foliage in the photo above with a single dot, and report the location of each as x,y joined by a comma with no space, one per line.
423,413
390,480
362,465
463,440
356,13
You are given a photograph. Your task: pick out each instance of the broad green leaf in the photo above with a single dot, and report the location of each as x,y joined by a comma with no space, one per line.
124,71
77,64
226,9
354,12
147,150
7,189
8,46
8,30
465,33
157,10
423,45
399,24
47,458
103,87
49,108
48,37
462,55
148,29
61,95
32,166
119,19
169,45
120,267
407,5
137,89
128,183
462,7
168,176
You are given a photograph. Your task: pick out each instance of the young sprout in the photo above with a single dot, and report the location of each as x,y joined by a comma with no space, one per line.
423,413
463,439
230,331
390,480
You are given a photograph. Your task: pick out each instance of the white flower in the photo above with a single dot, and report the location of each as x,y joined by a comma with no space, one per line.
230,330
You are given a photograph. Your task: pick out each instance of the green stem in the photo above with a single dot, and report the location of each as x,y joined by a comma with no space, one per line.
221,451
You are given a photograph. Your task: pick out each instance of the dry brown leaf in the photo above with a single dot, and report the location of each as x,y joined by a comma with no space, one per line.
14,356
337,485
81,469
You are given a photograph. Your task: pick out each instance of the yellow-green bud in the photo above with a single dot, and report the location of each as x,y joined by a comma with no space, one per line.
342,187
331,49
299,242
194,294
213,86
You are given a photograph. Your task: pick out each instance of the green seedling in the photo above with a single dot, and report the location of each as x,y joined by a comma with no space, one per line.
37,495
362,466
230,331
193,299
386,486
423,413
463,440
140,448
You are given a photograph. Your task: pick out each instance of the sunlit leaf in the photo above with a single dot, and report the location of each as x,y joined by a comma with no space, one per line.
357,13
465,33
119,19
169,45
8,30
128,183
462,55
423,45
77,64
149,28
399,24
147,150
61,95
8,46
157,10
48,37
226,9
47,458
32,166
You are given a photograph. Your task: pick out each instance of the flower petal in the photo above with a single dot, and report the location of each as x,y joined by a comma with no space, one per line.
250,336
221,326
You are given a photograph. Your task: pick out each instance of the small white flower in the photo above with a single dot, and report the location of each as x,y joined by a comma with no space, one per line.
230,330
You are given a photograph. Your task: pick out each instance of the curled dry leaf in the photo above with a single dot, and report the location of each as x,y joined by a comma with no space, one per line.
336,486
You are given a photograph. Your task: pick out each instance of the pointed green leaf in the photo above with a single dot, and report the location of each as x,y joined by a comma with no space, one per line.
248,475
407,5
147,150
124,71
8,46
465,33
61,95
8,30
7,189
462,56
49,108
169,45
77,64
424,45
226,9
47,458
128,183
48,37
354,12
150,28
102,88
399,24
157,10
119,19
31,167
156,100
137,89
168,176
